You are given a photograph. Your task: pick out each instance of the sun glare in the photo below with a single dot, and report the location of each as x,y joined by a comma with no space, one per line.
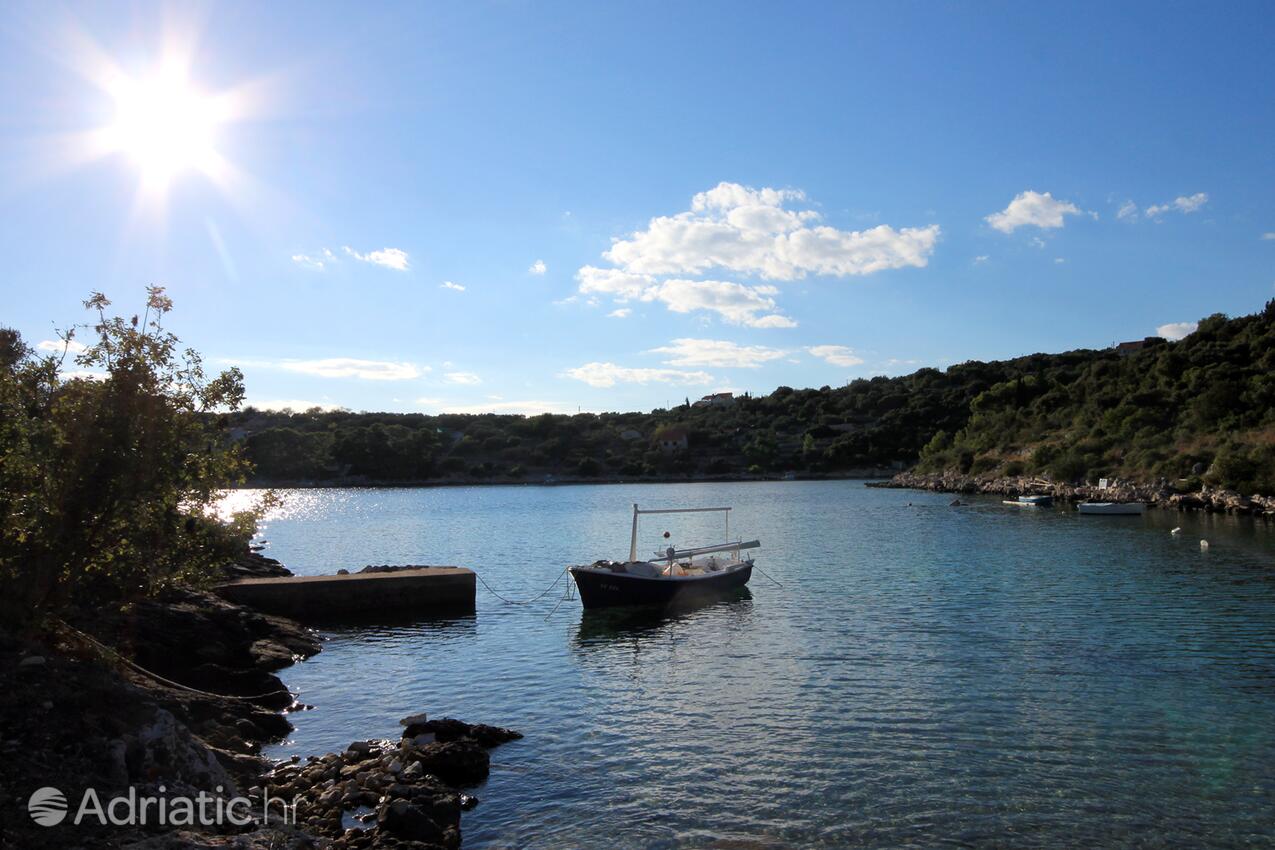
165,126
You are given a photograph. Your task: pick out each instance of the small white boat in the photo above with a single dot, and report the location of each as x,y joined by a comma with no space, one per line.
1030,501
672,576
1112,508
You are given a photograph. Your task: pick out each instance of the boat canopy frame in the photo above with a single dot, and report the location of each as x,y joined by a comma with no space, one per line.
638,512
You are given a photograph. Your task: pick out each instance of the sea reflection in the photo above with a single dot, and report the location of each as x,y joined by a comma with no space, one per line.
608,624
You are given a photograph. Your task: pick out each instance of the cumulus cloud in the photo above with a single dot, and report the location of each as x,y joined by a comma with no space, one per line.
1032,209
717,353
1128,211
1268,237
447,284
467,378
763,234
57,346
1177,330
619,313
837,355
318,262
538,267
1183,203
980,259
390,258
736,303
753,232
609,374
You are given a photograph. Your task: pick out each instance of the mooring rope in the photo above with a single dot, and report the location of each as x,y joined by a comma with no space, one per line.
140,669
535,598
767,575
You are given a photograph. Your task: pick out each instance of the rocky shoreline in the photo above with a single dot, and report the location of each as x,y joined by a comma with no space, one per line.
1160,494
175,696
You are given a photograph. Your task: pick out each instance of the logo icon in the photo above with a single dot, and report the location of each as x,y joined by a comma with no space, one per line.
47,806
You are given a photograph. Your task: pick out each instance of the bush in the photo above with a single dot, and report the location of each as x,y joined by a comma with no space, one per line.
109,488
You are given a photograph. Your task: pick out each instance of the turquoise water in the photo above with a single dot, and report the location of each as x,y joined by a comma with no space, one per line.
926,675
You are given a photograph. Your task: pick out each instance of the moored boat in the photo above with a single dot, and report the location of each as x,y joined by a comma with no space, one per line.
673,576
1112,508
1030,501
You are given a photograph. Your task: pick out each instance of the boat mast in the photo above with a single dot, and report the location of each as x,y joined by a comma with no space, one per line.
633,540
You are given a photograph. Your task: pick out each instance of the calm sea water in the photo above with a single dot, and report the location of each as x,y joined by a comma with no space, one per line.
926,675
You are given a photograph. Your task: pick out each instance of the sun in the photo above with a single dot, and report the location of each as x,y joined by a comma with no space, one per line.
165,126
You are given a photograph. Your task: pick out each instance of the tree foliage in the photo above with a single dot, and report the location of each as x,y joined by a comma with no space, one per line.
109,475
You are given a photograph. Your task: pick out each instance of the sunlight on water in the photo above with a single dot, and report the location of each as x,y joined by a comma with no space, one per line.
925,674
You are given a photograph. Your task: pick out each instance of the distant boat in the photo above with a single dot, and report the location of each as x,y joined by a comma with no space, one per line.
673,576
1031,501
1112,508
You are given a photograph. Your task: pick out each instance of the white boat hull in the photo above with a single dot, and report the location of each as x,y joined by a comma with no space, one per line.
1112,508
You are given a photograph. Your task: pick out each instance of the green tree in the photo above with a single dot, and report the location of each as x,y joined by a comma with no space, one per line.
109,485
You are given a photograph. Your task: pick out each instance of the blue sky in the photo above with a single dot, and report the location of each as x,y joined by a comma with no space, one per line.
633,203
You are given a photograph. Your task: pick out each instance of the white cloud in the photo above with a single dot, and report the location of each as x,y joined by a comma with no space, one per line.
294,404
750,231
57,346
1177,330
980,259
467,378
741,230
1128,211
1032,209
341,367
447,284
83,375
1059,260
390,258
538,267
837,355
736,303
609,374
317,261
717,353
1268,237
619,313
1183,204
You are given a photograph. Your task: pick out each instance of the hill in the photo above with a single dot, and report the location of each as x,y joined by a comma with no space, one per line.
1201,408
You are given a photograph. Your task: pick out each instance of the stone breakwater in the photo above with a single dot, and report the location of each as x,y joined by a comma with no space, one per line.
1117,490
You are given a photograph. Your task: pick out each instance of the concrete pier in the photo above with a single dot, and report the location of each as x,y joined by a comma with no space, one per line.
424,590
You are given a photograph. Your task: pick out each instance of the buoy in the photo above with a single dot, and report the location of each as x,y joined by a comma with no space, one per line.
1176,531
1204,544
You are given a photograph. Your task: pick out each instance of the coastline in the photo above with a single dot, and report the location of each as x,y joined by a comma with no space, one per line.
1161,495
868,473
174,697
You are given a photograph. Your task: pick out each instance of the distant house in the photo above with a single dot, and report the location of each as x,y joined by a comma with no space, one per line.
628,435
716,400
1124,349
672,440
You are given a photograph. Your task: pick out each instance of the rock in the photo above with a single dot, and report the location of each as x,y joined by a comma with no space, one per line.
414,720
412,771
359,749
31,662
461,762
409,821
468,802
395,766
343,572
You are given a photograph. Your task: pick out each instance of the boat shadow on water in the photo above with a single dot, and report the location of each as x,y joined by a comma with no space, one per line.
604,624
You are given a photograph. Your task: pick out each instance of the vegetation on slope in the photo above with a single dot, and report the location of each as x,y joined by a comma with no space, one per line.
1201,410
1201,407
